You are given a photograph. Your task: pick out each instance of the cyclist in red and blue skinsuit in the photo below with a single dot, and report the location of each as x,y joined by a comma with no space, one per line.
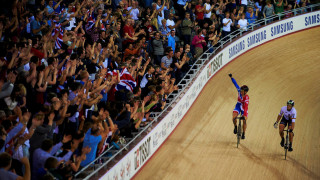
241,106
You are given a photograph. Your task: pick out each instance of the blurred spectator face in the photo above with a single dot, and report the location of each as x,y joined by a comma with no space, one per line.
200,2
164,22
143,40
130,46
170,54
204,32
173,33
187,16
187,46
241,8
118,27
181,50
171,17
289,7
39,16
154,6
159,2
121,4
243,16
88,49
250,10
103,35
157,36
178,54
148,10
50,3
234,11
100,11
133,4
84,11
227,15
69,7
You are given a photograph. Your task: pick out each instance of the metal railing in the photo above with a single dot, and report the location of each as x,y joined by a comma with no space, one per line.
103,160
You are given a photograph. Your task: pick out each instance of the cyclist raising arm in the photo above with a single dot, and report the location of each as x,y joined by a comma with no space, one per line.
241,106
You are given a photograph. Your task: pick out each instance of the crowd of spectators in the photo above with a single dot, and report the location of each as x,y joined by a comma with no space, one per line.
79,75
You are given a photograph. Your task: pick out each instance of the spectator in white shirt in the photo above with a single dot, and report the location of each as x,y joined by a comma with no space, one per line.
243,23
207,12
227,22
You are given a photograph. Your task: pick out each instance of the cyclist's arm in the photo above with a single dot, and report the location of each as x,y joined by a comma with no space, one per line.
292,125
279,117
235,84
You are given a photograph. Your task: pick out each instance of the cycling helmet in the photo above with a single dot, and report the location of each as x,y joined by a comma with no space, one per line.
291,102
245,88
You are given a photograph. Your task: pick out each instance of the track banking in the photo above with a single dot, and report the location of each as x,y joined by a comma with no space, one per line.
313,19
282,28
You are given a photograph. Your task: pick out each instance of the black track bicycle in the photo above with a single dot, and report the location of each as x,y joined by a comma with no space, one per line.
239,131
286,144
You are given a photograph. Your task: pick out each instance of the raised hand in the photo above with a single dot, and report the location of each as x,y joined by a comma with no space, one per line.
230,75
66,138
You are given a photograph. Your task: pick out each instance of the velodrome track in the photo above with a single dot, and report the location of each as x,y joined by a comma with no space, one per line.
204,147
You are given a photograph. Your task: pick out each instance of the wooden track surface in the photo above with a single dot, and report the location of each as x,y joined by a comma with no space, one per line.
204,147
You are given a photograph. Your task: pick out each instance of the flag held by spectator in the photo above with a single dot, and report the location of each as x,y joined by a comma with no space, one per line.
126,80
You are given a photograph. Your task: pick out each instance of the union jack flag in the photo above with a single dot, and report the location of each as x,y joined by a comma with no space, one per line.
58,30
126,80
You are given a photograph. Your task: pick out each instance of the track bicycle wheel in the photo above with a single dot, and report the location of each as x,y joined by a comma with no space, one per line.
286,147
239,133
